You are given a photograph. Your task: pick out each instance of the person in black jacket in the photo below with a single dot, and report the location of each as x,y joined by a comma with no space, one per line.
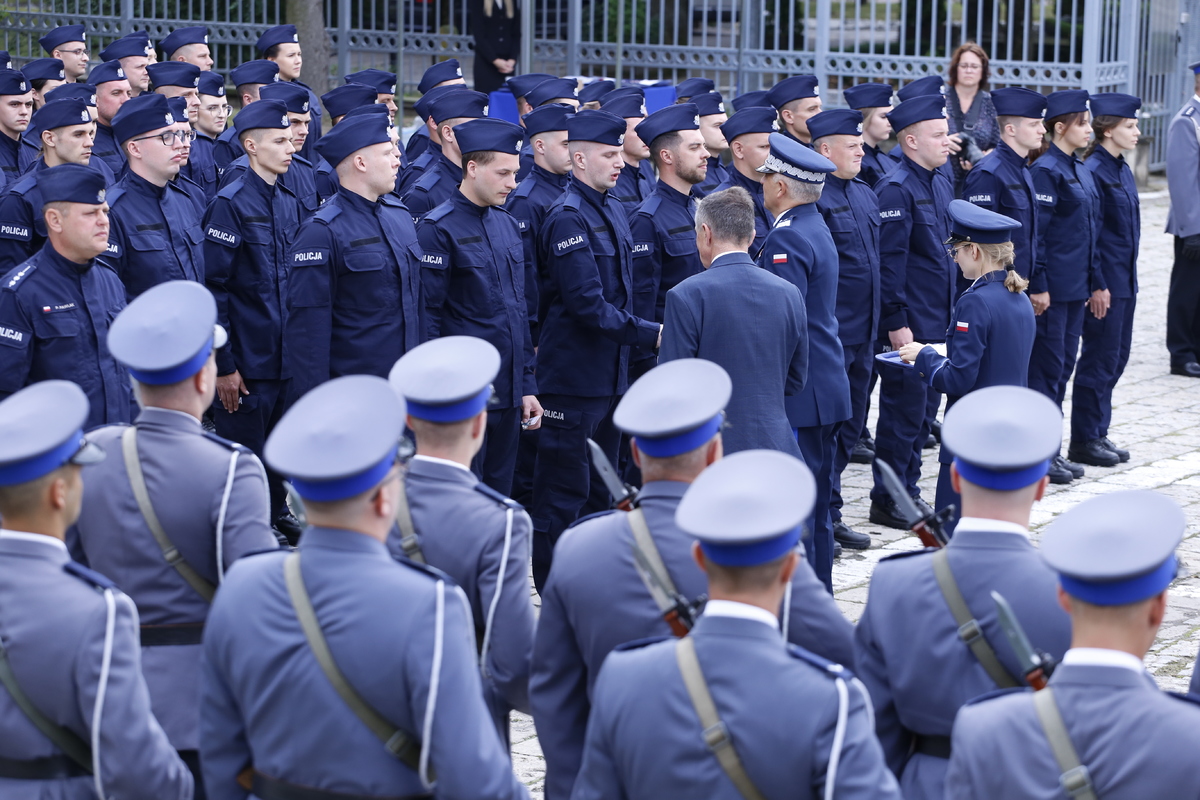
496,26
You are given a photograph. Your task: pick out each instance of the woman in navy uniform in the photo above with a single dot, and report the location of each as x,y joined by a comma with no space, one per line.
991,328
1108,332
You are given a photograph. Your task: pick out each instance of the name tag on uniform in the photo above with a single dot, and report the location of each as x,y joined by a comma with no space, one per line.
57,307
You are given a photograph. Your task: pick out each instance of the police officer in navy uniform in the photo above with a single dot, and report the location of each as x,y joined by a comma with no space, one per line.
206,495
68,43
520,86
247,233
431,152
179,111
457,523
1126,738
473,284
711,107
554,90
851,212
801,250
912,650
56,307
399,636
443,73
591,93
155,231
873,101
248,79
917,285
688,88
190,44
636,181
1183,223
16,108
44,74
177,79
210,123
281,45
796,99
134,52
596,598
383,82
734,690
112,89
353,287
588,330
748,133
438,182
70,636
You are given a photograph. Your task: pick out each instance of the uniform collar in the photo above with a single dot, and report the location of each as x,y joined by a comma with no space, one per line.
464,203
549,177
168,418
1010,156
806,210
50,255
12,145
318,538
739,257
730,608
980,524
38,538
443,461
995,276
1103,657
456,169
140,185
673,489
591,195
922,173
1108,158
356,200
672,194
1066,158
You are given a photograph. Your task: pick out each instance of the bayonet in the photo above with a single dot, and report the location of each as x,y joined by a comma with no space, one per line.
1036,665
931,529
622,493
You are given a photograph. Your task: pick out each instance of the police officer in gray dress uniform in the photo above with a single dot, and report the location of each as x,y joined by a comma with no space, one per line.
917,666
165,477
453,521
1183,223
732,710
1101,727
75,718
597,598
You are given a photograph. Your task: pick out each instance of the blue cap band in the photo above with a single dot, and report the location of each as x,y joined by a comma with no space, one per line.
343,488
455,412
750,555
1005,481
34,468
166,377
1119,593
668,446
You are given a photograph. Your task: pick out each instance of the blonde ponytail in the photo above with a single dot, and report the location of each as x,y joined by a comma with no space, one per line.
1002,255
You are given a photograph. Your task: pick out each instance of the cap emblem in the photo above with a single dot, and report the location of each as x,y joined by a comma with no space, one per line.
100,196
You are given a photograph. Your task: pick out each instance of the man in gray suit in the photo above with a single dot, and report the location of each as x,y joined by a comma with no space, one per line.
744,318
1183,222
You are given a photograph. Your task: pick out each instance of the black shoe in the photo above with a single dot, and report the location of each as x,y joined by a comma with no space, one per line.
1191,369
862,454
1094,453
851,539
884,513
289,527
837,550
866,438
930,442
936,430
1076,470
1059,473
1122,455
925,509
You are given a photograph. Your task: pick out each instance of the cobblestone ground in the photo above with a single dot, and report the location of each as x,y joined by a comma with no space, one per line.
1156,416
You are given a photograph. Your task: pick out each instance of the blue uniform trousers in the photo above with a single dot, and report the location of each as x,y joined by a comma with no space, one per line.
496,460
907,406
522,486
1055,347
860,367
817,445
946,496
1106,344
250,425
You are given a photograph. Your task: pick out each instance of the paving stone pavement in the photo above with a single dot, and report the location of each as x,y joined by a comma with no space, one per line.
1156,416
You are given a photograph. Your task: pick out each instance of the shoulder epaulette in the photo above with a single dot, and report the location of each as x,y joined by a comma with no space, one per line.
596,515
23,184
18,274
301,160
488,491
896,176
265,551
241,448
1189,111
432,572
992,695
231,188
427,181
572,200
638,644
88,575
116,193
830,668
437,212
908,554
328,212
391,200
523,188
650,205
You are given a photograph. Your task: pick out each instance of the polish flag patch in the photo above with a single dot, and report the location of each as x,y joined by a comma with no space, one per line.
779,258
46,309
962,327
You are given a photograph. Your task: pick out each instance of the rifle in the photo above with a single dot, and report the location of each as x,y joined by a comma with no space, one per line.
929,528
624,496
1037,665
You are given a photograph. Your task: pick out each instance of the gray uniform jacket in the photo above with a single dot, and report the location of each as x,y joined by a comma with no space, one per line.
211,497
1183,170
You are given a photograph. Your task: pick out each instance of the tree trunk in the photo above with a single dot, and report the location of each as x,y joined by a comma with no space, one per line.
309,19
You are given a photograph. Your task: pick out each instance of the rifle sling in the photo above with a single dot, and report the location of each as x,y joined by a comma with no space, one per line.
646,552
1076,781
68,741
969,630
408,532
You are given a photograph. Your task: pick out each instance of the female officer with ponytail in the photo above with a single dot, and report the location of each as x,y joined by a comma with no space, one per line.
991,327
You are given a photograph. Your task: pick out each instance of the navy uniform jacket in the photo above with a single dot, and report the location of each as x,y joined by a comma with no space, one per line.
851,211
1001,182
9,168
664,248
1121,229
800,250
187,472
1183,170
327,180
706,317
201,168
717,174
1135,740
300,179
916,277
526,160
763,219
417,168
780,704
154,235
418,143
315,116
917,670
473,284
1067,200
54,320
53,616
529,203
353,291
434,187
247,231
589,322
594,601
875,165
461,524
634,185
108,149
226,148
265,701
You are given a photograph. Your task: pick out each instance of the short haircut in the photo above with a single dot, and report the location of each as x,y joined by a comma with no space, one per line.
802,191
664,141
61,206
21,499
480,157
440,435
757,578
729,214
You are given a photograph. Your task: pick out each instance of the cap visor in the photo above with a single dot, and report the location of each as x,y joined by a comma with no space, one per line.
957,239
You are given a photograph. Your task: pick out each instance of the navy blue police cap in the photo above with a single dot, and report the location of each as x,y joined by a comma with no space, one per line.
553,89
60,114
174,73
338,102
72,183
551,117
868,95
44,69
835,122
41,429
257,71
382,82
292,95
179,109
917,109
454,105
192,34
5,60
592,92
930,84
792,159
750,100
596,125
13,83
754,119
68,91
1017,101
167,333
1068,101
679,117
675,407
708,103
1194,67
351,135
1003,437
338,440
971,223
448,379
61,35
212,83
796,87
1117,548
499,135
1115,104
424,105
280,34
520,85
748,508
262,114
370,110
626,102
128,46
146,112
107,72
440,72
694,86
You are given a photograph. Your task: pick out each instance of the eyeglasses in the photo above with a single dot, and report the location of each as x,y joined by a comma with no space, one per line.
953,251
221,111
77,52
166,137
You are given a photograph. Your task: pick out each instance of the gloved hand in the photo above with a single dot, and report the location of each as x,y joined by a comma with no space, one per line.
1191,247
